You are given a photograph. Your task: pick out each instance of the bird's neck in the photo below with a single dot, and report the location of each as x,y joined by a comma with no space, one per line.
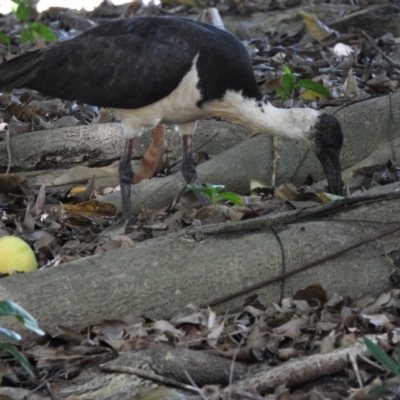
295,123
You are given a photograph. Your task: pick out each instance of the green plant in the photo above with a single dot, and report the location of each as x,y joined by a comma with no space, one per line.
216,193
290,82
30,30
7,309
387,362
5,39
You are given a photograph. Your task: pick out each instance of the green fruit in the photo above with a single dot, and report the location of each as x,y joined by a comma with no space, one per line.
16,256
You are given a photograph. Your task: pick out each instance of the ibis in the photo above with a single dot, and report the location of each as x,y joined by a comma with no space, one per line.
155,70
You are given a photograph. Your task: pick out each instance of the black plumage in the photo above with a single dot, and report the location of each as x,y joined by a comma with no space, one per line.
131,63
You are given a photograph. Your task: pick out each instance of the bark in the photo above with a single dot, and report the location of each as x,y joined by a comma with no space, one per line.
91,145
63,147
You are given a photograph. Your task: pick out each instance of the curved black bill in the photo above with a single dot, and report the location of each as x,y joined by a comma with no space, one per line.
330,161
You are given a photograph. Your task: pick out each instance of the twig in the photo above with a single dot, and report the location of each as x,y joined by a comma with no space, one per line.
194,384
353,362
299,370
45,382
52,395
232,366
355,14
283,260
379,50
148,375
373,364
300,215
303,268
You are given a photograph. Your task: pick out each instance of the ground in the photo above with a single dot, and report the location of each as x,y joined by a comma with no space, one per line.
298,260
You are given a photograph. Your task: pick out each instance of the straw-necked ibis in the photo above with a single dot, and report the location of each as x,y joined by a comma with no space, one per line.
154,70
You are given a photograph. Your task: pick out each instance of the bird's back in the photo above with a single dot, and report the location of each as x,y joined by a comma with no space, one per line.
134,62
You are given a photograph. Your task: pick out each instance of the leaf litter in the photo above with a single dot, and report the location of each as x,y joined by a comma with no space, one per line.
326,58
58,218
64,226
256,338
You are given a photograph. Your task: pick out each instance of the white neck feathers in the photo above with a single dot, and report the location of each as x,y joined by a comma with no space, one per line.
295,123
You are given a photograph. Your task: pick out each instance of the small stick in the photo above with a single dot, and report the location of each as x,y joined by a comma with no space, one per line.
379,50
354,364
148,375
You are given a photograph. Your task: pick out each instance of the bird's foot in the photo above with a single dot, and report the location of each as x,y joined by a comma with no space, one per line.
203,198
190,174
130,223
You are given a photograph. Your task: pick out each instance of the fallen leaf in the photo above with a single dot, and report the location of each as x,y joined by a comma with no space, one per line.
92,208
316,28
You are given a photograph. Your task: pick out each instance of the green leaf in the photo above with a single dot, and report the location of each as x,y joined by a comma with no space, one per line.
282,93
23,11
43,31
27,35
295,76
207,191
209,188
19,356
11,335
398,357
288,83
215,188
193,186
9,308
5,39
382,357
287,70
216,193
314,86
230,196
382,389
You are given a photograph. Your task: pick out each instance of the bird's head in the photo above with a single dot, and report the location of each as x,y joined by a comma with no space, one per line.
322,132
326,139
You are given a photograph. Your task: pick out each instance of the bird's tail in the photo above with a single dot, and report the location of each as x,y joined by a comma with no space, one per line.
19,71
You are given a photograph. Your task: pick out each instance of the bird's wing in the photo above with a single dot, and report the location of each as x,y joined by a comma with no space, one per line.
127,64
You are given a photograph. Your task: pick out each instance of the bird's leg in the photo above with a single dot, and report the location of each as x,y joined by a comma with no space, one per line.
189,169
126,175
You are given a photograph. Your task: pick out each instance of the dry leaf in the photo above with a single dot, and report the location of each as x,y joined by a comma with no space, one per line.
10,183
92,208
315,27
